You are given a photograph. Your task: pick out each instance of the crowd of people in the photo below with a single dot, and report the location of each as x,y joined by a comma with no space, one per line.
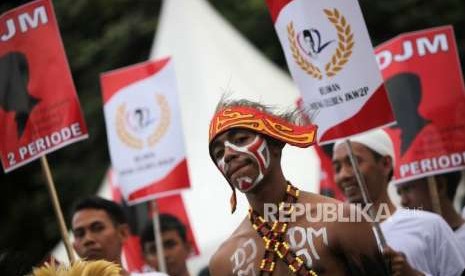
413,242
290,241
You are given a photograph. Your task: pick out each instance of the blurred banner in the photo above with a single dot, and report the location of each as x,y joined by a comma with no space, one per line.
330,57
144,130
39,109
140,215
174,205
425,85
328,186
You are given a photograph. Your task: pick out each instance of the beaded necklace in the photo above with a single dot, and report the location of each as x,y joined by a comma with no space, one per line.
274,239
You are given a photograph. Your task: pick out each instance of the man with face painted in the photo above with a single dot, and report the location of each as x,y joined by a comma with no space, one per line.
246,142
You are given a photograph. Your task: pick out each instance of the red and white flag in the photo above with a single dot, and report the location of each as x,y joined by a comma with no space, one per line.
173,205
425,85
39,109
328,186
330,57
144,130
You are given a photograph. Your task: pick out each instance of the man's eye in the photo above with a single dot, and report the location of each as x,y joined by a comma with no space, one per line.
218,154
78,234
97,228
240,140
169,244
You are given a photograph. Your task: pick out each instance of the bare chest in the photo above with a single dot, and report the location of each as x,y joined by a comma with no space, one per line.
311,244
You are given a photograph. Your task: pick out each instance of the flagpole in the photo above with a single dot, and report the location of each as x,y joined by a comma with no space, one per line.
433,191
157,235
57,208
380,239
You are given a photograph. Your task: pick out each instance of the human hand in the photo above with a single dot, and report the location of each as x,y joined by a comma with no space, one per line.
398,263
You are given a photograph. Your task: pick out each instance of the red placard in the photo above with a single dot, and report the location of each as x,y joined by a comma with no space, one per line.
39,109
424,80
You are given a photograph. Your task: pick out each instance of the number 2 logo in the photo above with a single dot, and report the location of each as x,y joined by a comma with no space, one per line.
11,159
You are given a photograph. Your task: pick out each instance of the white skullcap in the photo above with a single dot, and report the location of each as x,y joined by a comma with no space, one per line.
377,140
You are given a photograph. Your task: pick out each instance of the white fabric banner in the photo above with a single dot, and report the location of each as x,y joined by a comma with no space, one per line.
144,130
330,57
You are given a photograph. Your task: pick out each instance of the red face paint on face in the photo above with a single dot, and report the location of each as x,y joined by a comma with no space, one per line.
258,151
244,183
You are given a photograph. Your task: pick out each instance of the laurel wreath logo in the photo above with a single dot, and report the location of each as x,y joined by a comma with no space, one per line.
345,42
340,56
135,142
165,121
123,133
307,66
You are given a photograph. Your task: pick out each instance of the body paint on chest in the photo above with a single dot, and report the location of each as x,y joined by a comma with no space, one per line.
302,240
243,258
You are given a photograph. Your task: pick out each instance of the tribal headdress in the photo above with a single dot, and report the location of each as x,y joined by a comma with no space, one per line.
79,268
262,122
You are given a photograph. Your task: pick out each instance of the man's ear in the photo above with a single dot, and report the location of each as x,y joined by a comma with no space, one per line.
387,163
123,231
276,147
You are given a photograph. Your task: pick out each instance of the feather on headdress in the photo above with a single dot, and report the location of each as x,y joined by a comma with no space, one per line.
79,268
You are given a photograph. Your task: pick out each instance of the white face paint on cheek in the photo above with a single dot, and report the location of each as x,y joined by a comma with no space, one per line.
258,151
222,166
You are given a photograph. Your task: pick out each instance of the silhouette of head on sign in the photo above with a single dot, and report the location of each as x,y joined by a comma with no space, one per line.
313,43
14,96
405,96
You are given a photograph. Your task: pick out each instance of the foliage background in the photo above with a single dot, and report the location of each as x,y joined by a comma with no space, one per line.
101,35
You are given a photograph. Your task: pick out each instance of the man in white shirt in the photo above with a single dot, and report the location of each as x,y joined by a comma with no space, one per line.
415,194
100,229
423,239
